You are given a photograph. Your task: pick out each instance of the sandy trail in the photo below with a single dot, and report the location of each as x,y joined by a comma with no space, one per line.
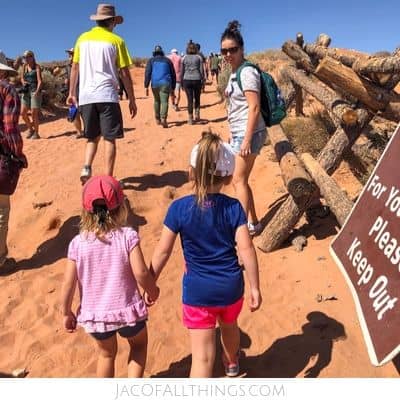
290,334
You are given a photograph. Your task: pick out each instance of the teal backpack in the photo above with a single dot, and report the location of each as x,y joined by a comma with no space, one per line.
272,105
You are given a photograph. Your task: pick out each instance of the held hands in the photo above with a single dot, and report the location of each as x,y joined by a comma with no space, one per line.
150,299
69,321
255,300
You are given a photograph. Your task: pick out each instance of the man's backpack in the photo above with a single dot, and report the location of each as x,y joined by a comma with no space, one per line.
272,105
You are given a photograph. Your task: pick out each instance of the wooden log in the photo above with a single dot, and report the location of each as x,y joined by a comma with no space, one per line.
395,78
391,112
374,97
291,210
298,100
295,177
339,110
345,56
384,65
295,52
323,40
336,199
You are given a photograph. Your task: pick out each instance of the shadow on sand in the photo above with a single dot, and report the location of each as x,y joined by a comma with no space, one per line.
142,183
56,248
286,358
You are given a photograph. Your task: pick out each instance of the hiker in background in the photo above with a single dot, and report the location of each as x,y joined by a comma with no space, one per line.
10,147
214,66
106,262
211,225
192,78
205,66
246,125
31,81
176,60
160,73
99,56
76,117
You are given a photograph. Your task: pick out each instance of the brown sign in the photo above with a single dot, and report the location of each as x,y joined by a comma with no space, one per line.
367,250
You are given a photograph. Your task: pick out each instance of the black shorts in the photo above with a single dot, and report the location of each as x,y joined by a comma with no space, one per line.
102,119
125,332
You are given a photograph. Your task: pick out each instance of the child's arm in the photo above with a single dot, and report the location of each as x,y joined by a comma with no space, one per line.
67,295
142,273
163,251
249,257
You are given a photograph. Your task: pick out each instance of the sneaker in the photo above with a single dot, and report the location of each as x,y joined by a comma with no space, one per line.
231,369
164,123
174,107
190,120
254,229
35,136
86,173
158,121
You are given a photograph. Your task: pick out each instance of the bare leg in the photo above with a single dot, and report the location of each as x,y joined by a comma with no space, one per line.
240,182
78,125
91,149
35,119
137,354
107,353
203,352
25,117
110,151
4,218
230,340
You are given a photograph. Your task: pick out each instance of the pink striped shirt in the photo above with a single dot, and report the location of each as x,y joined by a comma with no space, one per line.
110,297
177,63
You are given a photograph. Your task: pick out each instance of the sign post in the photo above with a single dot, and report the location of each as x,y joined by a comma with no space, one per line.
367,250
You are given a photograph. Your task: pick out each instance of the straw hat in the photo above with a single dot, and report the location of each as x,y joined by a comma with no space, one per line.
106,11
3,64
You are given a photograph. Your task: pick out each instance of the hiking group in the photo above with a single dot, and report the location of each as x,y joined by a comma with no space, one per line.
105,259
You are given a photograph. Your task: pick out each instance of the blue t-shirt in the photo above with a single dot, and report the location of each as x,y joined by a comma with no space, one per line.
213,276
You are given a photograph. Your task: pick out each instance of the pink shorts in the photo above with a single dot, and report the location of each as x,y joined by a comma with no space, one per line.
196,317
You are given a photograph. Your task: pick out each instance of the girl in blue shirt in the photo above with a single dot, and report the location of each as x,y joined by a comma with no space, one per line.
211,225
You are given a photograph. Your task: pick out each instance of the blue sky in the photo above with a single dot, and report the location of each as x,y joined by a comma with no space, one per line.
49,27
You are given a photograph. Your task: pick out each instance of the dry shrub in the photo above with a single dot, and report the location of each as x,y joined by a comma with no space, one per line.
51,87
269,60
307,134
139,61
223,79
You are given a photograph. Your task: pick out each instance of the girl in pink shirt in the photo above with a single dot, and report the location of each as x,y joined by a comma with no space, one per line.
106,261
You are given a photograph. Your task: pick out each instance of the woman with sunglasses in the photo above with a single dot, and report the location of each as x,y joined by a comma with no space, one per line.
31,80
246,125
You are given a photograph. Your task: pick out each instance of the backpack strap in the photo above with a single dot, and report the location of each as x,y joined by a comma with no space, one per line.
239,70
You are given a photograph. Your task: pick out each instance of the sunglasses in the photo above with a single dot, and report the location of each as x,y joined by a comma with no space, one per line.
230,50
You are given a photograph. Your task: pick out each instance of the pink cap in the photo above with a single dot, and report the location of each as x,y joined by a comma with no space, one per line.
105,188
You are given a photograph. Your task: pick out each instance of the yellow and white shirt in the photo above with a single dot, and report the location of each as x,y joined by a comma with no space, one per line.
100,53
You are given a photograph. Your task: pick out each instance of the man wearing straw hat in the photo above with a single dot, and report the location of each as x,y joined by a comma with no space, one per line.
10,146
99,55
